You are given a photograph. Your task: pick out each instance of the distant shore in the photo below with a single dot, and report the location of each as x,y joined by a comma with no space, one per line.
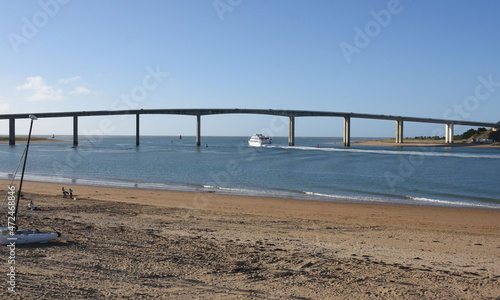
24,139
424,143
377,143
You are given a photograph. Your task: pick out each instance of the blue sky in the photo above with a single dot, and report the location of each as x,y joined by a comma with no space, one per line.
436,59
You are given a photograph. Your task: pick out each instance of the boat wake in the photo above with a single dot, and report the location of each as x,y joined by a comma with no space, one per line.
423,152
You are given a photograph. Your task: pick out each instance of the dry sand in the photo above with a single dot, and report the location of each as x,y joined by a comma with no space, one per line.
131,243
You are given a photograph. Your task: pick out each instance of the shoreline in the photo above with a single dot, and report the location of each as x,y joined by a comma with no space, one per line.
297,196
151,243
295,208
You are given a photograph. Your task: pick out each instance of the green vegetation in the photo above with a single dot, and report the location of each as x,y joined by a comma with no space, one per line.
435,138
480,133
466,135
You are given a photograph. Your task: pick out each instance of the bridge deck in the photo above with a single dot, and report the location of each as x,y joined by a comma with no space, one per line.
198,112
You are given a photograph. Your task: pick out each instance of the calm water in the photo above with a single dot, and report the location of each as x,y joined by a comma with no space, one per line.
435,176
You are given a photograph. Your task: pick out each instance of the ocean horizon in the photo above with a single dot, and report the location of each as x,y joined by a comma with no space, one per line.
316,168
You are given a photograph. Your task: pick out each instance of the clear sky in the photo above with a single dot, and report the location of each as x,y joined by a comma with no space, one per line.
436,59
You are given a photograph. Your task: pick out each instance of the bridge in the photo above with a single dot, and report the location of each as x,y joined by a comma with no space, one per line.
291,114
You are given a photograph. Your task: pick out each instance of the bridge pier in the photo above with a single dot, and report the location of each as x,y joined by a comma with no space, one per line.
399,131
449,133
12,132
198,130
291,131
75,130
137,132
347,131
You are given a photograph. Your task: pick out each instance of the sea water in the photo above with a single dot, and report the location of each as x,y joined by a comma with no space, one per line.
314,169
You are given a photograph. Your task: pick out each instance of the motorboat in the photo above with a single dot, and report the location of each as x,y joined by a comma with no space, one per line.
259,140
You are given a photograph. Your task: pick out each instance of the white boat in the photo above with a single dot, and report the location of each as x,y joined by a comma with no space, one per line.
258,140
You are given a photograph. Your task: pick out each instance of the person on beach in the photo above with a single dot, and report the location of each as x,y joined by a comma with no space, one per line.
70,193
64,192
31,206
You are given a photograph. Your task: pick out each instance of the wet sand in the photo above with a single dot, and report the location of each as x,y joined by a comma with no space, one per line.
132,243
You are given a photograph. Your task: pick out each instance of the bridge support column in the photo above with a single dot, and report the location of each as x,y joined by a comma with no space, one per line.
347,131
198,130
291,131
12,132
137,131
399,131
449,134
75,130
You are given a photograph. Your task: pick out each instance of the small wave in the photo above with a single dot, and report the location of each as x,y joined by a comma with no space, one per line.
248,192
324,195
442,202
236,190
347,197
211,187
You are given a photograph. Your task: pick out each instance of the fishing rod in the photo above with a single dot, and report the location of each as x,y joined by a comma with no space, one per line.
32,117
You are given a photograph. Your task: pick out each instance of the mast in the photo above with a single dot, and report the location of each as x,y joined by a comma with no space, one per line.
32,117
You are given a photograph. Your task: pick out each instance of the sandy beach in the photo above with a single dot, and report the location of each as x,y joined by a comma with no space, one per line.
132,243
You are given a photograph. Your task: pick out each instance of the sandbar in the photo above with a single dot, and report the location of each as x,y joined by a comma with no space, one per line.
428,143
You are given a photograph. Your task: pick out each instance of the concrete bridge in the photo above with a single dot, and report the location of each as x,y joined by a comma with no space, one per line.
291,114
